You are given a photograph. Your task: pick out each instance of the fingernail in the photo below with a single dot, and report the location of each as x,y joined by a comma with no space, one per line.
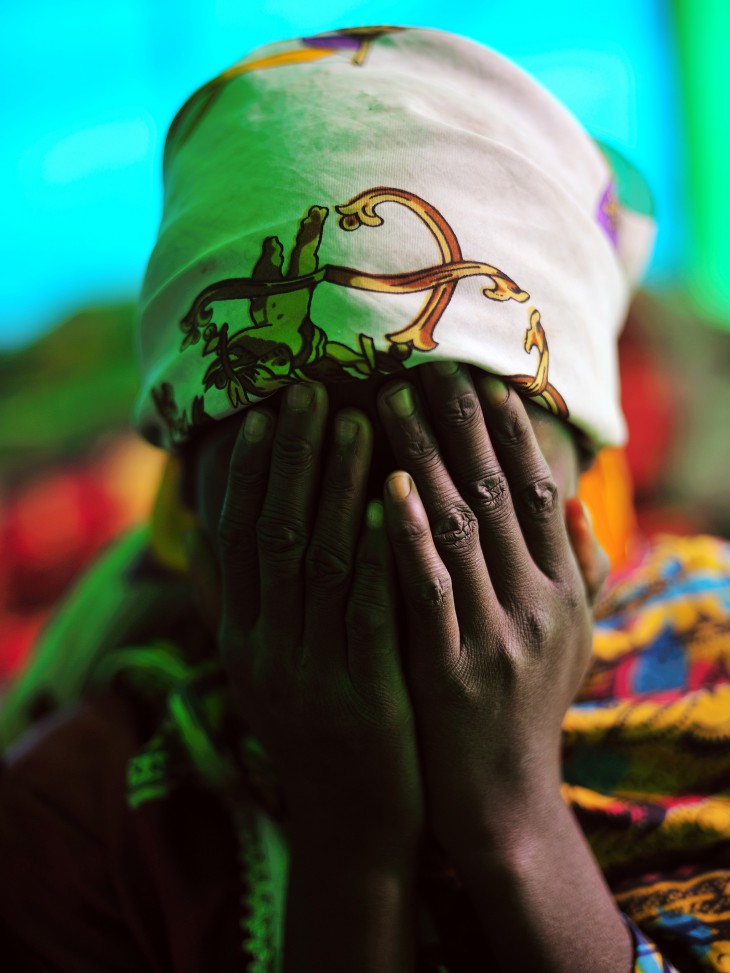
299,396
401,402
446,368
399,486
586,513
495,389
255,426
345,431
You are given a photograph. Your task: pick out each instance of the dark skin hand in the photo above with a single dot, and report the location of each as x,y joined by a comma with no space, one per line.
500,632
307,631
495,596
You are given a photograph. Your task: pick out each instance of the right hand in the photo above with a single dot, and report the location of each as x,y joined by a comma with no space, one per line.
307,628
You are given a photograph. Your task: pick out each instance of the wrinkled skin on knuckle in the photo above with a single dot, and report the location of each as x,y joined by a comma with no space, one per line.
407,534
419,446
326,567
457,530
342,485
491,493
540,497
461,411
280,540
293,455
242,479
429,594
510,428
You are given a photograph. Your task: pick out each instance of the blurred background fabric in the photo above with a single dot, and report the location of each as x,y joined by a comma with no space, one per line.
89,90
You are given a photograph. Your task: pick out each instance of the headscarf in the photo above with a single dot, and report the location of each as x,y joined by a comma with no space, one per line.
367,200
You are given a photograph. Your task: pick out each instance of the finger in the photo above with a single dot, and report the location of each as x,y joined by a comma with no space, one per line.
453,525
204,576
592,559
424,581
530,480
371,619
331,552
478,474
284,526
246,485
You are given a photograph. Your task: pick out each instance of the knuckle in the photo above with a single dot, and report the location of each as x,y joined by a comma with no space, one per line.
456,530
326,567
573,597
278,539
491,492
510,428
407,534
244,477
420,447
341,486
540,497
461,411
366,620
293,454
429,594
535,625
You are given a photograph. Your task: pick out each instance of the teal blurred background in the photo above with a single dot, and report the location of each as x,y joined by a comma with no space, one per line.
90,88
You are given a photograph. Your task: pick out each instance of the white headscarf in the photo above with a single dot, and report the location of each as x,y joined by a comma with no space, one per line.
371,199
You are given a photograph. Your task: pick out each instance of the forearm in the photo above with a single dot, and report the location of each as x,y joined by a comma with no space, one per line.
350,905
540,896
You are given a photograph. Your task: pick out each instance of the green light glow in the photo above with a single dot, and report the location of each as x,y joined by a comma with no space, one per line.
703,34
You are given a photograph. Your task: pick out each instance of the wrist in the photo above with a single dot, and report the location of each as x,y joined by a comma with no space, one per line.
504,825
357,841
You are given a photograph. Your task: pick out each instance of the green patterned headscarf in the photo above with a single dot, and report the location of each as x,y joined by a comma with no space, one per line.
367,200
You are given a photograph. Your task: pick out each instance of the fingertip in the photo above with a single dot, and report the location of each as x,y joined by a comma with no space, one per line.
575,515
494,389
399,486
256,426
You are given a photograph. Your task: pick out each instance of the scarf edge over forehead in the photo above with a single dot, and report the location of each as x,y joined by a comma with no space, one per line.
364,201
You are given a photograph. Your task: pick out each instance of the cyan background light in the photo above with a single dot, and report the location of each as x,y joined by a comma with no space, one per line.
90,88
703,35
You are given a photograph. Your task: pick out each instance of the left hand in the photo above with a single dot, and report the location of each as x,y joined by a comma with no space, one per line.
498,610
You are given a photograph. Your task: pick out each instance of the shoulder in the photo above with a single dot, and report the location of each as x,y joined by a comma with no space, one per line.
75,760
60,794
90,883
